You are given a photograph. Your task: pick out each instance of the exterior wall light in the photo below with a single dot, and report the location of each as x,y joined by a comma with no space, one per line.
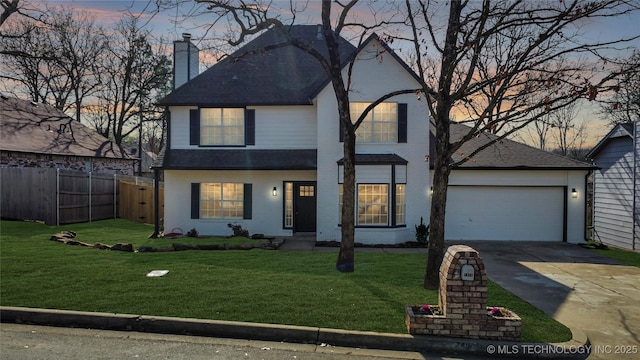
274,192
574,193
431,191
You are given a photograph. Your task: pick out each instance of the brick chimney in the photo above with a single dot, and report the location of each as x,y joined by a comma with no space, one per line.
186,60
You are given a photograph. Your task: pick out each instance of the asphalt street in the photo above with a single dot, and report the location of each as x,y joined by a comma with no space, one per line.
21,342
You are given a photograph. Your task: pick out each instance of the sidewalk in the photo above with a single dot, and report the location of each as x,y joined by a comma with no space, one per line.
280,333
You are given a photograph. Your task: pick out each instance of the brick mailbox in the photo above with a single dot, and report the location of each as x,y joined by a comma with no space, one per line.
462,303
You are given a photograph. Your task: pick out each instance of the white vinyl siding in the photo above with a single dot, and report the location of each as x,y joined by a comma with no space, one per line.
614,192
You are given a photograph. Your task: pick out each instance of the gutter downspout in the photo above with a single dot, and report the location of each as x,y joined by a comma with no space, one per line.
156,201
634,187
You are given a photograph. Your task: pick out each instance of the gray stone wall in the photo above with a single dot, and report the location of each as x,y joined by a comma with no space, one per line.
77,163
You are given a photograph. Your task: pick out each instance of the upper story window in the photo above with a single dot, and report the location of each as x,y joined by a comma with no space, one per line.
222,126
379,126
386,123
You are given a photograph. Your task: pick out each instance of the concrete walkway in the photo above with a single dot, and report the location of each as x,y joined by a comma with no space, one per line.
579,288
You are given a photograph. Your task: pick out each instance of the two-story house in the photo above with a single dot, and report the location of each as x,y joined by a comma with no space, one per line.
255,140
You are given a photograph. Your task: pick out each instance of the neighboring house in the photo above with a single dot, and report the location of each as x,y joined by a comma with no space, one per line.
143,163
36,135
511,191
255,140
616,195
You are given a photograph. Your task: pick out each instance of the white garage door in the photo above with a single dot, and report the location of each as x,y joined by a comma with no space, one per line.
505,213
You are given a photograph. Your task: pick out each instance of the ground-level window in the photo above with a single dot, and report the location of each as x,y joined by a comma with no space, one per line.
401,200
373,204
221,200
288,205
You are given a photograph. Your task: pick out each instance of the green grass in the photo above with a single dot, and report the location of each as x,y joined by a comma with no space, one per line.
283,287
627,257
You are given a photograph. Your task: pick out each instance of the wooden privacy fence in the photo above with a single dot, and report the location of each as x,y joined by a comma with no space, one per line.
58,196
136,201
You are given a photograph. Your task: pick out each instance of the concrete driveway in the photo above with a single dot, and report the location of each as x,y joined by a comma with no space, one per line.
576,286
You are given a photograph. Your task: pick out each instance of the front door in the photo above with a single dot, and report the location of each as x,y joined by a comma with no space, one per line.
304,207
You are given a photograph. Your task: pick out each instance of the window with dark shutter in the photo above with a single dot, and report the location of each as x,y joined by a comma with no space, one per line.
402,123
195,200
194,127
248,189
250,127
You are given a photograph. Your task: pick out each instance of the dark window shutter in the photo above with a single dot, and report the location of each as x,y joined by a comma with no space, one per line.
402,123
340,130
250,127
195,200
248,195
194,127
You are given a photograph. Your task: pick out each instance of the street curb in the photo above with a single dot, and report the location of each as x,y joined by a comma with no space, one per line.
576,348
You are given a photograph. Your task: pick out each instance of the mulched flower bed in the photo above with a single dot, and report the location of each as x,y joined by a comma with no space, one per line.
408,244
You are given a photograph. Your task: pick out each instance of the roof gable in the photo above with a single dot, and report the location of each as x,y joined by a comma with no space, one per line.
504,154
40,128
266,71
389,50
620,130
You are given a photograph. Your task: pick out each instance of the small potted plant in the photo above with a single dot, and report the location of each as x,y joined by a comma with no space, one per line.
422,232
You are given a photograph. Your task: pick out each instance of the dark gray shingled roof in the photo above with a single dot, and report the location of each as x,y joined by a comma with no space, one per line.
377,159
238,159
283,75
505,154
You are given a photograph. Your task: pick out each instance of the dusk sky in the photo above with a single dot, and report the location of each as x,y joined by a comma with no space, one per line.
164,25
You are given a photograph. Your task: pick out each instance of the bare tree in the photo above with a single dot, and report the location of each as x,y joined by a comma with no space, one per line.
537,133
54,58
76,42
134,75
568,133
503,65
25,61
8,7
560,128
624,105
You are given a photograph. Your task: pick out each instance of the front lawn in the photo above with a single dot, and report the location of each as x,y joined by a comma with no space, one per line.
282,287
627,257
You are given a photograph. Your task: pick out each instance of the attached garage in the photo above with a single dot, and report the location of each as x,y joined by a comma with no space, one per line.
509,191
535,213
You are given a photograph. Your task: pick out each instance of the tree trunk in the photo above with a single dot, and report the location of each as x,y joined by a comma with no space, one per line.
345,262
442,169
346,257
435,250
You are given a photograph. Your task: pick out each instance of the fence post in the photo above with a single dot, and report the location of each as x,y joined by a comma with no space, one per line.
89,196
58,197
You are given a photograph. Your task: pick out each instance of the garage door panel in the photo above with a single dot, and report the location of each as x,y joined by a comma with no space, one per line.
505,213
